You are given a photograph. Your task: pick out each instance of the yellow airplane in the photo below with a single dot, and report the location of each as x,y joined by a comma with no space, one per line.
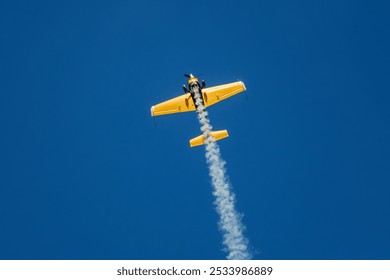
186,102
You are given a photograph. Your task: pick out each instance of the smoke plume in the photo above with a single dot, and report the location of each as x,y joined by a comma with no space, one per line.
229,219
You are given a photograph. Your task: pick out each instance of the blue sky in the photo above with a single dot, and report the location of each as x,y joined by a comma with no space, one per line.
87,174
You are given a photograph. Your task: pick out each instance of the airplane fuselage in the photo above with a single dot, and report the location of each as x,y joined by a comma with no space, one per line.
195,87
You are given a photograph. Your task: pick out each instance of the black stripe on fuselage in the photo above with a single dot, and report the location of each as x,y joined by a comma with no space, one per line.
195,86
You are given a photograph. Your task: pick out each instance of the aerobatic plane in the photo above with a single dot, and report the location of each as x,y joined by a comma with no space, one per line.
208,95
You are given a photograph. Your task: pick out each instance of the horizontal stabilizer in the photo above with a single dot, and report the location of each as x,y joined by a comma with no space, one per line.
218,135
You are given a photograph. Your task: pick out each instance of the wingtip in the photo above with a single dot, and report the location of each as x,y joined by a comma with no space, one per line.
243,85
152,111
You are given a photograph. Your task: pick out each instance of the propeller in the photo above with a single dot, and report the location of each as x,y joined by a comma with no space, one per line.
192,76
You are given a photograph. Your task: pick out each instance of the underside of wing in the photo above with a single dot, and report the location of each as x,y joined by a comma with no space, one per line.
182,103
215,94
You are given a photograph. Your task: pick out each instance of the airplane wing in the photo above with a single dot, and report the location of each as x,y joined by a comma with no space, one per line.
182,103
215,94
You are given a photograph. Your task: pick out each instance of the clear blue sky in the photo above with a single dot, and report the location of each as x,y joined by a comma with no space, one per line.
86,174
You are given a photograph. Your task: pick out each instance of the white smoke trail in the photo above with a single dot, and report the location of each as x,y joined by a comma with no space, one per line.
229,220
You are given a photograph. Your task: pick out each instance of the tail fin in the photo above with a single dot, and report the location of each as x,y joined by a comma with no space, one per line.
218,135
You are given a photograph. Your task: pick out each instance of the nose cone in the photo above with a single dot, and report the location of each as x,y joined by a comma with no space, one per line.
192,79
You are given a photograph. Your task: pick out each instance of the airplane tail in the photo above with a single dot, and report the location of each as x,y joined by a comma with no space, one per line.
218,135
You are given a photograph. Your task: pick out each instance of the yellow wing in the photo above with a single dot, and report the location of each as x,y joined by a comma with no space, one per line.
182,103
215,94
